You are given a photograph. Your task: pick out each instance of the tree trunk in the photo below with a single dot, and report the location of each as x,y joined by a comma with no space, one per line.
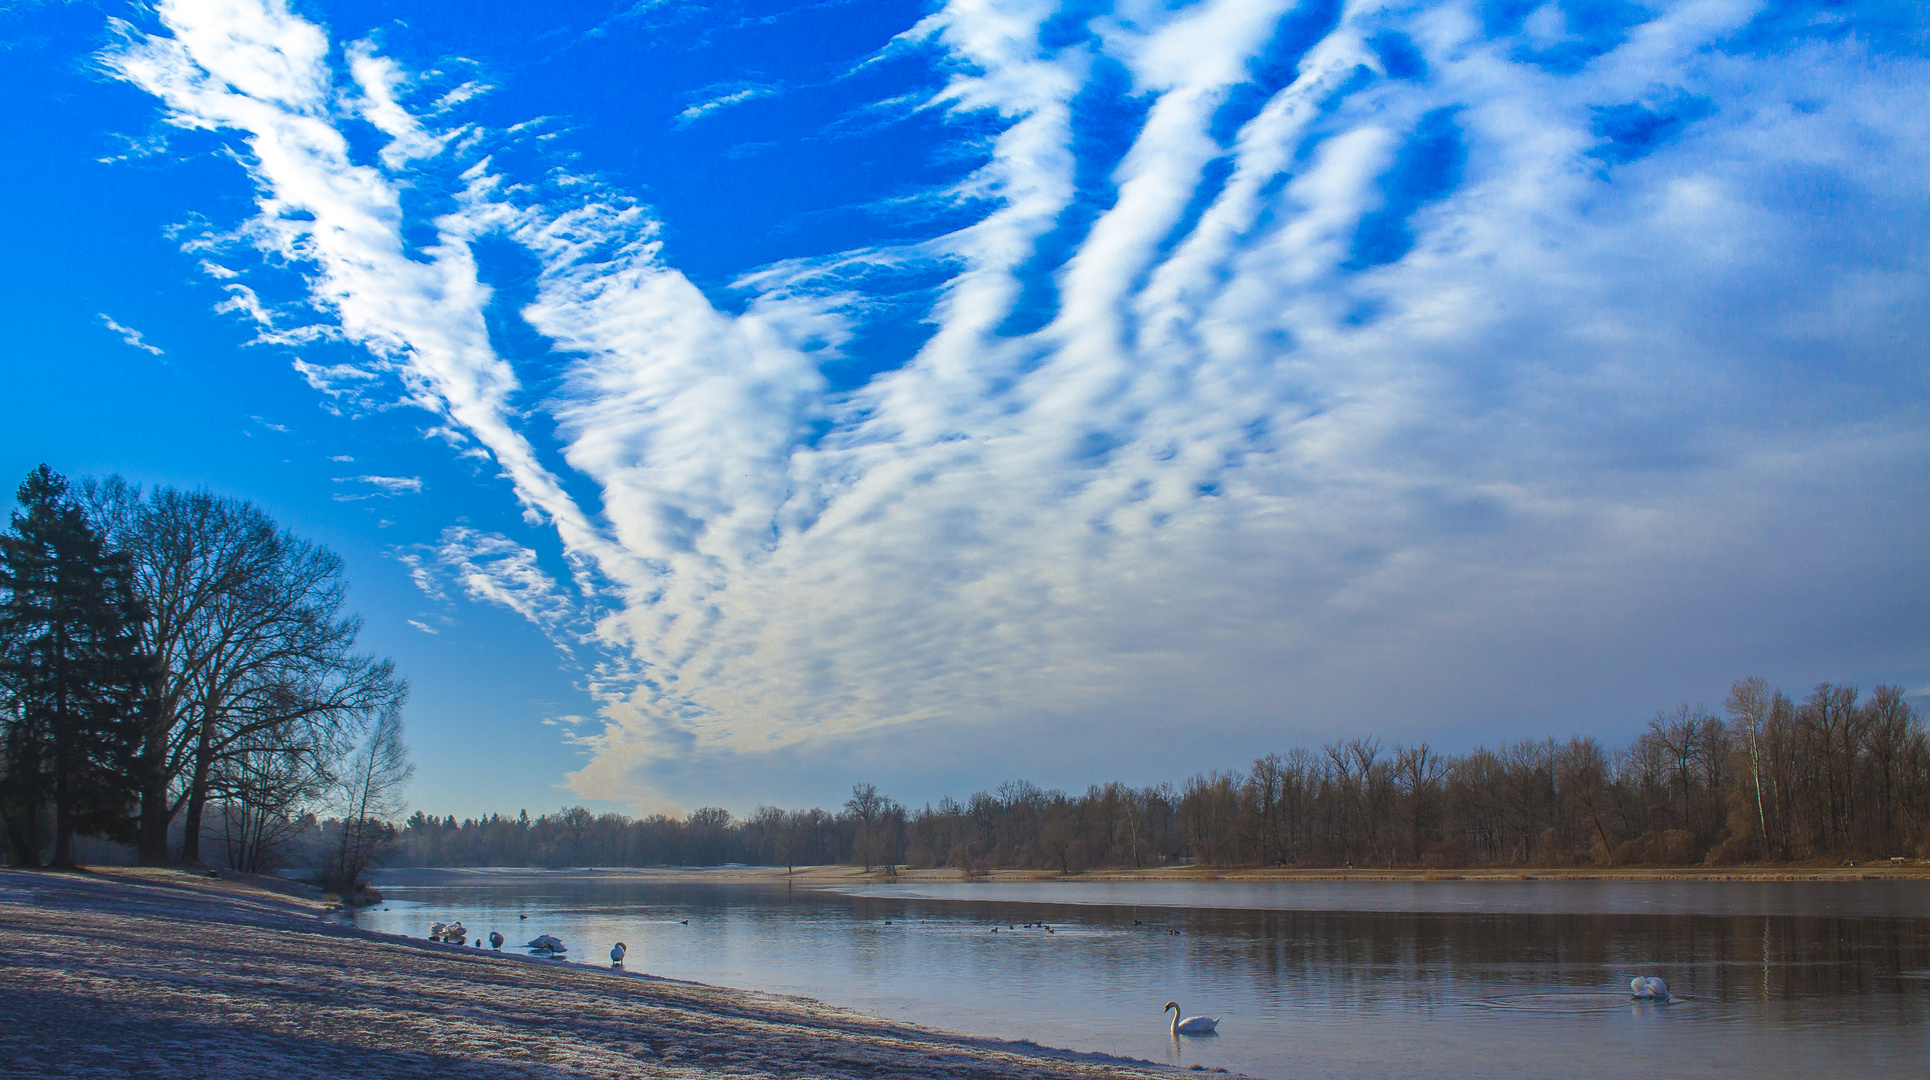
63,819
152,847
23,834
64,766
151,770
198,794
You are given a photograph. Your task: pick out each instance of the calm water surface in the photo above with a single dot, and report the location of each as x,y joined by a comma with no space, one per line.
1315,979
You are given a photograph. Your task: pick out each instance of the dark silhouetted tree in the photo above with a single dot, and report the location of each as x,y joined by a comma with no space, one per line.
72,670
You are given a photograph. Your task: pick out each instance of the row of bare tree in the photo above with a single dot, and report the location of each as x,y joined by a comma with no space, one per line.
251,706
868,831
1829,777
1833,776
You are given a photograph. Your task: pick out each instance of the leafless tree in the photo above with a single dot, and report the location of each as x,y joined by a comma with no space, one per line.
1748,707
367,795
246,623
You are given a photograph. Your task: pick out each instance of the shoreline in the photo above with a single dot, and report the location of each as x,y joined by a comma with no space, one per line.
838,877
123,971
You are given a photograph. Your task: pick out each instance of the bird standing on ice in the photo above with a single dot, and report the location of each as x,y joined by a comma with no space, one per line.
495,940
616,955
1648,988
1192,1025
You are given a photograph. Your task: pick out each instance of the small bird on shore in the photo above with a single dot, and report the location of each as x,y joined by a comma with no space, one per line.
616,955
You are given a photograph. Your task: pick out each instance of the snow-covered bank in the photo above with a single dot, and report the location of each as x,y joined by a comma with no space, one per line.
149,972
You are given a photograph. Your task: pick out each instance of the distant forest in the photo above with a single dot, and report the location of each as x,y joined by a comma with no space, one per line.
1833,776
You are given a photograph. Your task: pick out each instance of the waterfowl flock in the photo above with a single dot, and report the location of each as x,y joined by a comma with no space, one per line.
453,933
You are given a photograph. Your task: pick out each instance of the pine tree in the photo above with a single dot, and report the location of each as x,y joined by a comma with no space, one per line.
70,668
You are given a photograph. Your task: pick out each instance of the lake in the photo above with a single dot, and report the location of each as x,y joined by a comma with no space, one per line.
1311,979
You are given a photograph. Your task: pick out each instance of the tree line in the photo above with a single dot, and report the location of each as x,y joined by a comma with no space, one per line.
175,666
1832,776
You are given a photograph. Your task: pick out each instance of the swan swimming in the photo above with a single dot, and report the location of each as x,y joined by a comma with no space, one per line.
1648,988
1192,1025
616,954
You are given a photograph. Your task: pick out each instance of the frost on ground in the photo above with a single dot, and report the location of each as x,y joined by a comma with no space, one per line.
123,973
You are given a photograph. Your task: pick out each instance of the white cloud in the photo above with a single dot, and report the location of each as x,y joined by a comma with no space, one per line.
1294,443
493,569
736,94
129,335
380,487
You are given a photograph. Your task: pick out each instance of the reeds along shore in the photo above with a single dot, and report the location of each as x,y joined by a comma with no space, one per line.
1832,778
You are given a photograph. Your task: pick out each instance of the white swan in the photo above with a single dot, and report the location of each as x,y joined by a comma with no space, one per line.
616,954
548,943
495,940
1192,1025
1648,988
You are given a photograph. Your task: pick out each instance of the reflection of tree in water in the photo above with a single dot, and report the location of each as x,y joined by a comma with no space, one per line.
1364,958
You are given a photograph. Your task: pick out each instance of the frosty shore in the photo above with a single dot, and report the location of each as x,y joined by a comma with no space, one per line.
118,973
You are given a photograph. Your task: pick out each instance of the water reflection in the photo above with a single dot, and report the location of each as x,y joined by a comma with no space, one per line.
1302,993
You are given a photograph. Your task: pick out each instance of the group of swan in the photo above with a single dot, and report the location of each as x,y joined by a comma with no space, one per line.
453,933
548,943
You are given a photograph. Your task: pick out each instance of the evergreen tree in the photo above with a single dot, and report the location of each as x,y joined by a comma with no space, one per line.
71,669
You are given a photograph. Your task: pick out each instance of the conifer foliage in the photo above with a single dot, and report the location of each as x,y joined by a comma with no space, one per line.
71,674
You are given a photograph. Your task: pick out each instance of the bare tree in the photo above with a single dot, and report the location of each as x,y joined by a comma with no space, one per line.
246,624
262,788
1748,707
367,794
867,806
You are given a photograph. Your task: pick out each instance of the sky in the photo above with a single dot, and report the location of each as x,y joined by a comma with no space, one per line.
726,404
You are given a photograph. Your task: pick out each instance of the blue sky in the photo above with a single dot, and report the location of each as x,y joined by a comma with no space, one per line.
724,404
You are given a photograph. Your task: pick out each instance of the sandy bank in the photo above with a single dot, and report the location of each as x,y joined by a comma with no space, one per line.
122,973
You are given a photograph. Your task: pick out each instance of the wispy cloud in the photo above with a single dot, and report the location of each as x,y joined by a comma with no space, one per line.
1320,383
379,487
129,335
493,569
723,97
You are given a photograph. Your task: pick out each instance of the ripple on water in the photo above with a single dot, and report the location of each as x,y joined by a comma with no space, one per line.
1563,1001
